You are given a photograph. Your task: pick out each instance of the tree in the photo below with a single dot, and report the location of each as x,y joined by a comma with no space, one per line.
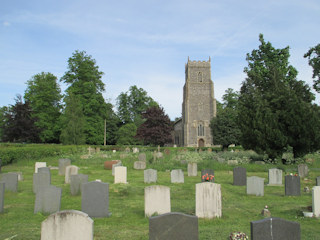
73,122
3,113
275,109
314,61
156,128
84,80
19,125
43,94
126,134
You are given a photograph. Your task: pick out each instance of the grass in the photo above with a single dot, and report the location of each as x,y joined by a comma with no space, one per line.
126,202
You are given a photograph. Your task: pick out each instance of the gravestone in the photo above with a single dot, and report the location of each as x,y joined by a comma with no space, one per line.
66,225
255,186
39,165
48,200
95,199
108,164
20,176
0,164
150,176
70,170
11,181
303,170
142,157
135,150
177,226
316,201
275,177
177,176
2,191
41,180
318,181
120,174
156,200
275,228
292,185
139,165
207,175
44,170
75,183
208,200
116,165
239,176
192,169
63,163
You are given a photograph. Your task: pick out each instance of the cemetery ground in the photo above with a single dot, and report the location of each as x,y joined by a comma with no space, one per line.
126,201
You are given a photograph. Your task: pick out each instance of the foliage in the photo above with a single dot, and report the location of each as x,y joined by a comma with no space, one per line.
238,236
3,112
19,124
43,94
126,134
275,109
314,61
157,127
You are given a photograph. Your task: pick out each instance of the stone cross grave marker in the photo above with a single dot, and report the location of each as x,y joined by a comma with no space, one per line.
316,201
150,176
41,180
303,170
11,181
70,170
239,176
177,226
95,199
39,165
120,174
275,228
2,190
192,169
63,163
66,225
156,200
75,183
207,175
292,185
139,165
208,200
275,177
255,186
177,176
48,200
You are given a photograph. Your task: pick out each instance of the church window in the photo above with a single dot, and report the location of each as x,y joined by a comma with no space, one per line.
199,76
200,130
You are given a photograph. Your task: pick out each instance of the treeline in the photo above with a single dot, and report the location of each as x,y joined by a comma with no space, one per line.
80,115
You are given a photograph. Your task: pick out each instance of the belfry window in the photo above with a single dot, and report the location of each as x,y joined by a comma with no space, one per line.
200,130
199,76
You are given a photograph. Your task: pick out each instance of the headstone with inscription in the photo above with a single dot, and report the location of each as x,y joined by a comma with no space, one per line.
11,181
275,177
139,165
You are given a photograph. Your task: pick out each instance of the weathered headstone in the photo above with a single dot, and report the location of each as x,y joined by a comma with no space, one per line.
44,170
303,170
11,181
48,200
20,176
142,157
177,176
239,176
207,175
118,164
275,228
275,177
150,176
208,200
177,226
63,163
41,180
120,174
75,183
0,164
2,191
255,186
318,181
39,165
316,201
95,199
70,170
292,185
192,169
66,225
139,165
156,200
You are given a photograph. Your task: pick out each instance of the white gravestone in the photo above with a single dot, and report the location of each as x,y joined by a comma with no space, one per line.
255,186
150,176
192,169
275,177
156,200
177,176
120,174
316,201
70,170
39,165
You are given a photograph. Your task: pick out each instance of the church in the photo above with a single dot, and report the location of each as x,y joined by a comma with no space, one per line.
198,107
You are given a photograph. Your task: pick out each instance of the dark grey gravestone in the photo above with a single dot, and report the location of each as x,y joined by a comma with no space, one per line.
2,188
173,226
48,200
11,181
292,185
44,170
41,180
75,183
303,170
318,181
0,164
63,163
207,175
95,199
239,176
275,229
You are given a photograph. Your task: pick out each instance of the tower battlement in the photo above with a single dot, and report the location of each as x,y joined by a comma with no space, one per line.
198,63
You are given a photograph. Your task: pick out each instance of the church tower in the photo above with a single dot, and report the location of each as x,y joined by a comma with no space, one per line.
199,105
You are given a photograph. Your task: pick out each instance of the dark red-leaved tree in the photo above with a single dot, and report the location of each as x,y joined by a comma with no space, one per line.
156,128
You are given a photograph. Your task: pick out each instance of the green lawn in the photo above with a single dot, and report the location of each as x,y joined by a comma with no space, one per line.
126,202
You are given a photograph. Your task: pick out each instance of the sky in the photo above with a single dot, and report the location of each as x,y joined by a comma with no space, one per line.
147,42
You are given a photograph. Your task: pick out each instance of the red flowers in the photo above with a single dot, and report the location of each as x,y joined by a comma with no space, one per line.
207,177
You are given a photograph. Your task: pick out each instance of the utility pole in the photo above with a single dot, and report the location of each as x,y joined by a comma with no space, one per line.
105,132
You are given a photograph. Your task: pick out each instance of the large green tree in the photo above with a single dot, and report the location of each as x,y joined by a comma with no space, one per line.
314,61
126,135
275,109
84,80
3,113
44,95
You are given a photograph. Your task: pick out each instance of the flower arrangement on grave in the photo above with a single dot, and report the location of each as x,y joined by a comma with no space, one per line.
293,174
207,177
238,236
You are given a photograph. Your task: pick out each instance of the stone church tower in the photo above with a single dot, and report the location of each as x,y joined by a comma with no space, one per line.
198,107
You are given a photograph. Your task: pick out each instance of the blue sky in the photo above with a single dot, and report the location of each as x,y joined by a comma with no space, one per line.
147,42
